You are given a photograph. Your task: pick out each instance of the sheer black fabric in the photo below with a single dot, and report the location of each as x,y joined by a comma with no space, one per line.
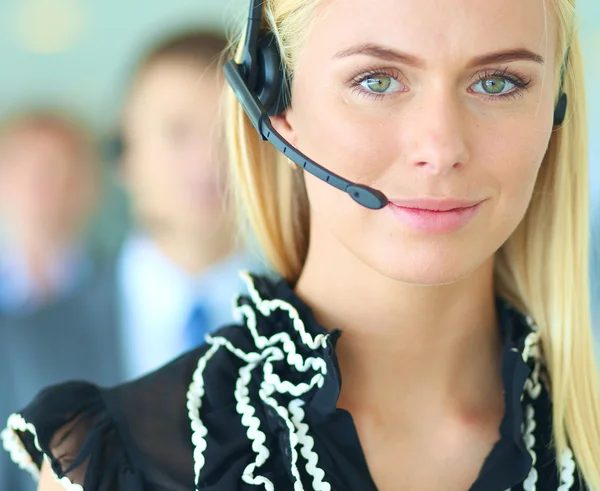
255,408
133,437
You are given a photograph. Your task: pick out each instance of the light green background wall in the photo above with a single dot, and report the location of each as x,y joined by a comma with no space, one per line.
96,41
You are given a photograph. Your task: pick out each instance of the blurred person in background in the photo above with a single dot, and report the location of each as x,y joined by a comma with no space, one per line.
49,182
48,188
177,272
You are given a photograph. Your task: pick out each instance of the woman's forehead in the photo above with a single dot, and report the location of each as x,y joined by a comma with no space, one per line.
434,29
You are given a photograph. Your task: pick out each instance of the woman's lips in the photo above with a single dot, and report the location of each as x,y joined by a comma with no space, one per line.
435,216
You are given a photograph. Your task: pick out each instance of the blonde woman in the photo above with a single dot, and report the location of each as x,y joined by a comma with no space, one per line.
447,287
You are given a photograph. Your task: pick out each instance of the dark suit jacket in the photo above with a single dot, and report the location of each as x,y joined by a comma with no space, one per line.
74,338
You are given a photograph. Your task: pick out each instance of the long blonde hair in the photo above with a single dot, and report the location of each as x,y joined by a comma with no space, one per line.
543,268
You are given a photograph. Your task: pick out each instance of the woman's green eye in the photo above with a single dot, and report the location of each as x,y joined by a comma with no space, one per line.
380,84
494,85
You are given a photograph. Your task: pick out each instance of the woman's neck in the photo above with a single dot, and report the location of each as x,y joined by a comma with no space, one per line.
404,345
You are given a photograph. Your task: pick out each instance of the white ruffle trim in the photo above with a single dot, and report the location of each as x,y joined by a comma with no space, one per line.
529,439
298,430
277,348
252,425
531,350
533,387
194,403
13,445
19,455
567,470
307,447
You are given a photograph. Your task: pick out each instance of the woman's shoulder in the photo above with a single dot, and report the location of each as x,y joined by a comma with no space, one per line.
134,436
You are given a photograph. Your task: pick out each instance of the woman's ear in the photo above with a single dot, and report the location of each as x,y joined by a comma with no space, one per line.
283,124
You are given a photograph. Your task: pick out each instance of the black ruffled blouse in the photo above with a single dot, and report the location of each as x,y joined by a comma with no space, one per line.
255,409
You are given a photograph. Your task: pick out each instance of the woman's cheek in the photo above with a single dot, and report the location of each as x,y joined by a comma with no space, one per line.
513,167
357,150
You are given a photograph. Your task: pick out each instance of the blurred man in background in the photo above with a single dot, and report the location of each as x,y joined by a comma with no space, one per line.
48,186
178,270
49,183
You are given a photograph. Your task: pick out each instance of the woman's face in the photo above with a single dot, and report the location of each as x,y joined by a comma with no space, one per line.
439,104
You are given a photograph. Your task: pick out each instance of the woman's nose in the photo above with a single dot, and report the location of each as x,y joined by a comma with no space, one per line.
435,133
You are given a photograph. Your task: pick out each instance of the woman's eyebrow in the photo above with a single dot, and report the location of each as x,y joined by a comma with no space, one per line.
391,54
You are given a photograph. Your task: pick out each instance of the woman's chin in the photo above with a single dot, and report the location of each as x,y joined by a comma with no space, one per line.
429,272
441,261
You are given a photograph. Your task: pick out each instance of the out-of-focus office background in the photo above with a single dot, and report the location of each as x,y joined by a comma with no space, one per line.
78,54
108,289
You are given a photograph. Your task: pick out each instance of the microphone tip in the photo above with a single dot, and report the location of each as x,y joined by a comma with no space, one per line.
367,197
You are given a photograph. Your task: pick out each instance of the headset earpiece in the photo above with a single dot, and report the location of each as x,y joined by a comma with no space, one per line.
261,86
560,111
272,88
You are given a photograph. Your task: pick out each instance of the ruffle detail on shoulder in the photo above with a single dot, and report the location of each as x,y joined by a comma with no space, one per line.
267,374
15,447
69,427
13,439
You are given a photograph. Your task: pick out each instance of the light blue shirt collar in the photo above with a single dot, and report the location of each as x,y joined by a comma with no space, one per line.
157,298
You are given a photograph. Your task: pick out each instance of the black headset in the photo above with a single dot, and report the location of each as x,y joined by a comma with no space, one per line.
560,111
262,87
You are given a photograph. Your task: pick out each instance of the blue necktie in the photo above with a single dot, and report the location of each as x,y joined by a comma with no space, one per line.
197,327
